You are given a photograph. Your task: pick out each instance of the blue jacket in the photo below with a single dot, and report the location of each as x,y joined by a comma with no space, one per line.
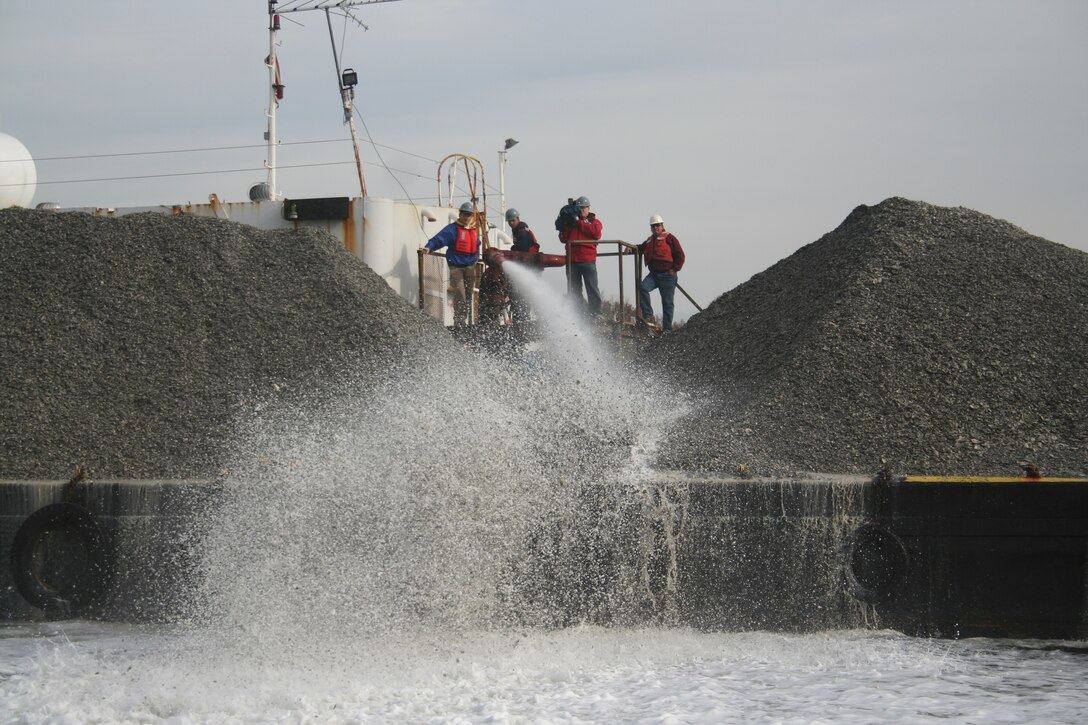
446,238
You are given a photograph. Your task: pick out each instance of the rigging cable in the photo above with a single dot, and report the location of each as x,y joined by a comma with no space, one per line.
211,148
219,171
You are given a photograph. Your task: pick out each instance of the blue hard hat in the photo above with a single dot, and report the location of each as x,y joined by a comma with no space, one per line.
581,202
466,208
512,214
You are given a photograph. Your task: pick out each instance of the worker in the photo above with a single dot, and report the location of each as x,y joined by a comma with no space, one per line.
524,241
577,223
463,242
664,258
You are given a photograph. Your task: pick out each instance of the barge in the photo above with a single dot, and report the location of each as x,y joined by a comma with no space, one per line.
927,556
946,557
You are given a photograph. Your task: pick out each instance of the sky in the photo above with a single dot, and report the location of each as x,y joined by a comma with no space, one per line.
753,127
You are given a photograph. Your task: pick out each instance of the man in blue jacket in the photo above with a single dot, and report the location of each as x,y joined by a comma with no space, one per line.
463,242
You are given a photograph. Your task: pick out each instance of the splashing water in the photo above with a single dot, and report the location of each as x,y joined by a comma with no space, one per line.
435,496
612,393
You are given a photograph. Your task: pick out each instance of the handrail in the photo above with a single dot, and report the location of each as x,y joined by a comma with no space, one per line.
692,301
622,249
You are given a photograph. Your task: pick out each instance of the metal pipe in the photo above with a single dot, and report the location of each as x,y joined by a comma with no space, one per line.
346,96
689,297
270,162
502,184
496,256
358,156
419,266
619,260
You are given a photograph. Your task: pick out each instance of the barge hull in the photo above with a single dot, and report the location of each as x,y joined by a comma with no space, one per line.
927,557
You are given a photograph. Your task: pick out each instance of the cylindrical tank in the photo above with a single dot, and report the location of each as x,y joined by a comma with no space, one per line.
380,249
18,175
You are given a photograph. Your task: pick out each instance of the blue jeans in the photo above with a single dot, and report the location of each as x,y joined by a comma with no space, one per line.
586,272
666,283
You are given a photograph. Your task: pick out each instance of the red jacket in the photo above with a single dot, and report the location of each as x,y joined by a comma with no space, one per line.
663,253
582,229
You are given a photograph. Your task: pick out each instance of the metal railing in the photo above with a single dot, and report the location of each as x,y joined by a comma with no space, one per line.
626,249
433,293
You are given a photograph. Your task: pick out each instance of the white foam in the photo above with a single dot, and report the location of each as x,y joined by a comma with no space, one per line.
78,672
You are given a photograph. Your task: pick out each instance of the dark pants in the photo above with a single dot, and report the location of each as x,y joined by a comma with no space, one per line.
666,283
586,272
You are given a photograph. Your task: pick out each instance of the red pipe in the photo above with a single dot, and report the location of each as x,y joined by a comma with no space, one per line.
498,256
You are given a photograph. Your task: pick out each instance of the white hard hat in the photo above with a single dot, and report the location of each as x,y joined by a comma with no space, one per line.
656,219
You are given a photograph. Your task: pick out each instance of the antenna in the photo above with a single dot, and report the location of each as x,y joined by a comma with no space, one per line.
275,86
294,6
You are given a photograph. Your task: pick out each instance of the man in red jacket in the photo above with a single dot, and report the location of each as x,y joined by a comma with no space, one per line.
583,225
664,257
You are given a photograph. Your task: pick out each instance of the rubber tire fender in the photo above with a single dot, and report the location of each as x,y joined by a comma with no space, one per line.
61,559
877,563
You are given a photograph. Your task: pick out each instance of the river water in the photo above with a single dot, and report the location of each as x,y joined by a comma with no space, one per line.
79,672
358,569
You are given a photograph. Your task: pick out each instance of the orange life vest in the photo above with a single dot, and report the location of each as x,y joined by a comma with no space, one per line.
658,249
467,241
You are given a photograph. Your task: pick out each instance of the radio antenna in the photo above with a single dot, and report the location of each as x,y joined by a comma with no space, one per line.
346,80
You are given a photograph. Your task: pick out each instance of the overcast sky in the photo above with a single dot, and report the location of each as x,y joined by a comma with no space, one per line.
753,127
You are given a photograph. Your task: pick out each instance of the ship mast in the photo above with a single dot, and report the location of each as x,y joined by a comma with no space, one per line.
275,86
275,92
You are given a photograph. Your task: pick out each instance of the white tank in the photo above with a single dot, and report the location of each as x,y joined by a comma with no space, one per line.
18,176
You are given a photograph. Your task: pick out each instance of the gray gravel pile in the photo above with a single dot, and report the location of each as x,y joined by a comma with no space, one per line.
135,346
937,340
